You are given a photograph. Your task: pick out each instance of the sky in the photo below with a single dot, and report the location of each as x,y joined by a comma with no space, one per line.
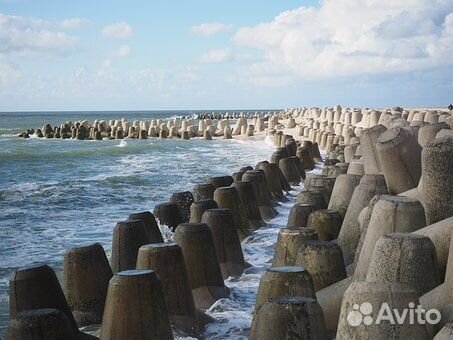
235,54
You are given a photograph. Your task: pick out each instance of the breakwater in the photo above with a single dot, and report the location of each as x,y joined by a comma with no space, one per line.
370,195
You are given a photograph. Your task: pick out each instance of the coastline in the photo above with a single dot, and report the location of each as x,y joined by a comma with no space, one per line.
235,144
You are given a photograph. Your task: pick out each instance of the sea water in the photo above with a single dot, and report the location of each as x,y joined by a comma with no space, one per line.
57,194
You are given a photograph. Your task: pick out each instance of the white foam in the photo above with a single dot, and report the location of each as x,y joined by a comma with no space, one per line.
122,144
234,315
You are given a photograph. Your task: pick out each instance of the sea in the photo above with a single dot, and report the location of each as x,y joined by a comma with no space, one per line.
57,194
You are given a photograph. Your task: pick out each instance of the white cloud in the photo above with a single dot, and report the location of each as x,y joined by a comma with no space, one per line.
30,37
124,51
72,23
216,56
107,63
117,30
352,37
8,73
210,28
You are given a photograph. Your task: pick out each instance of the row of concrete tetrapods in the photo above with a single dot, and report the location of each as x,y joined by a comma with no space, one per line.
373,228
184,128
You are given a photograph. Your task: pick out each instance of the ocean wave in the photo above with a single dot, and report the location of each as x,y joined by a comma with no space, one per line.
70,193
122,144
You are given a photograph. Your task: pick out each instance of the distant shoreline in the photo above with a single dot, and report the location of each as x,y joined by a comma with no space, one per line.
96,111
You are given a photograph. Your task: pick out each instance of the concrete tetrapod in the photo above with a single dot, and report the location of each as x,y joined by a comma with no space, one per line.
284,281
361,306
167,261
249,203
348,239
237,176
437,178
289,317
317,197
135,308
271,171
183,200
342,193
151,226
203,192
298,215
364,221
40,324
356,167
326,223
390,214
335,170
291,146
440,234
299,167
446,333
226,241
316,153
323,260
38,288
315,180
306,157
400,156
406,258
428,132
330,299
290,170
221,181
198,208
368,141
228,198
128,237
278,154
168,214
262,192
288,244
86,276
205,275
275,158
349,152
285,185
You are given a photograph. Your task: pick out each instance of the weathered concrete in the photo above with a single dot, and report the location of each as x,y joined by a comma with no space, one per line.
406,258
226,241
284,281
198,208
289,317
368,142
167,261
228,197
135,306
326,223
86,276
288,244
437,179
342,193
205,276
324,261
348,239
400,156
298,215
390,214
127,238
374,294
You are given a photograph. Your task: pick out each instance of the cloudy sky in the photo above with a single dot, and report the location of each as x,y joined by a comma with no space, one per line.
119,55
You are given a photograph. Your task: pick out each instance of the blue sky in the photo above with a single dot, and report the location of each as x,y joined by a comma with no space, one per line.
117,55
